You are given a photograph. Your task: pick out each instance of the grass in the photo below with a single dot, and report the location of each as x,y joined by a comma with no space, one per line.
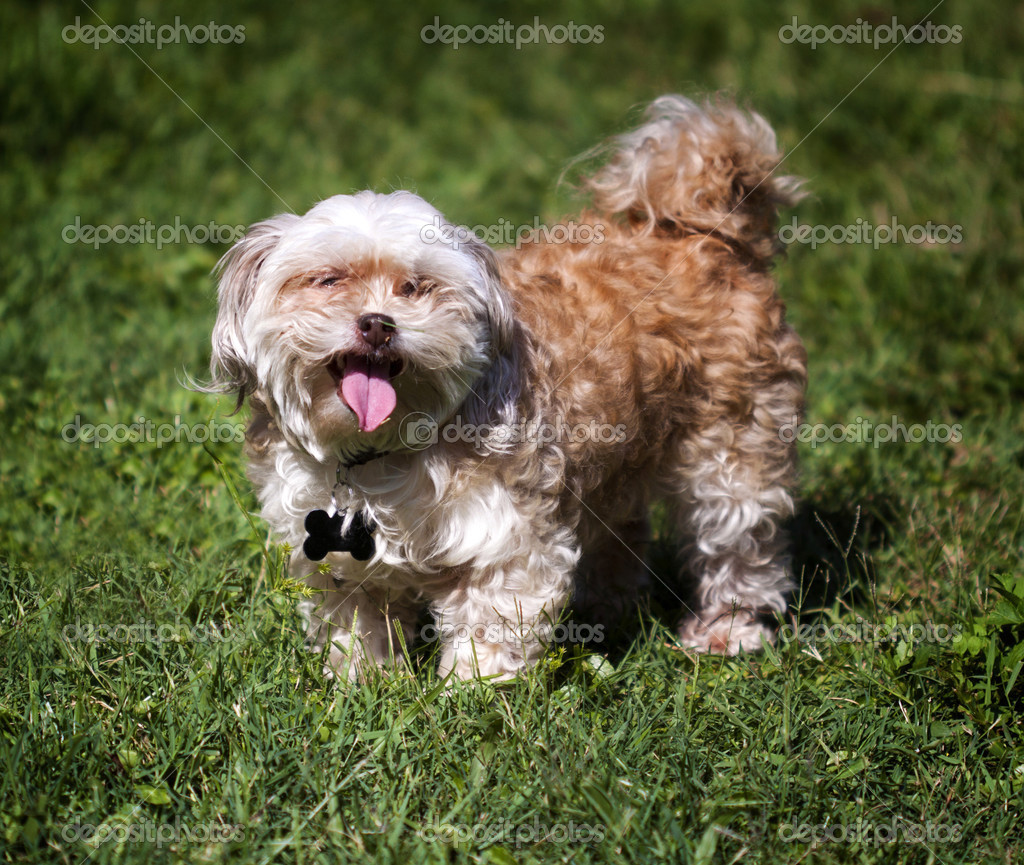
200,731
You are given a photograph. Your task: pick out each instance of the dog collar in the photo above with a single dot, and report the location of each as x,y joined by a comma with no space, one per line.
361,459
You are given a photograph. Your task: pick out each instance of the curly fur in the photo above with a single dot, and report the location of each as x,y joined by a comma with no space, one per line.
670,329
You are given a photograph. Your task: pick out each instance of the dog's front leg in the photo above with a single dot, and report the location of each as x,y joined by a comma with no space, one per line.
499,618
355,623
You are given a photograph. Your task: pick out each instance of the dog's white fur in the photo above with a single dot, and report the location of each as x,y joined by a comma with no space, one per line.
670,327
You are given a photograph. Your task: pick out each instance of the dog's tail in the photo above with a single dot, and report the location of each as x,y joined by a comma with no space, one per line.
709,168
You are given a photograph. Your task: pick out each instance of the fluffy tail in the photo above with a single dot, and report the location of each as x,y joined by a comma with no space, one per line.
704,168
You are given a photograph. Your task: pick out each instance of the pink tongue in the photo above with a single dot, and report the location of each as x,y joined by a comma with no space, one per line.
366,389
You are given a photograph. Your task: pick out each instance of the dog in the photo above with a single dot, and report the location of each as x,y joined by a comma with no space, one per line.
483,432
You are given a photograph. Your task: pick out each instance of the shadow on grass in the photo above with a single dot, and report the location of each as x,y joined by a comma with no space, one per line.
831,563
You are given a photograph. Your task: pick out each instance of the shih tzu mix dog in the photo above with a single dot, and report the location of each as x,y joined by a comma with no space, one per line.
484,431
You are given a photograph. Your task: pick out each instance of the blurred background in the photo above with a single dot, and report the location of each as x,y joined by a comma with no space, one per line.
274,106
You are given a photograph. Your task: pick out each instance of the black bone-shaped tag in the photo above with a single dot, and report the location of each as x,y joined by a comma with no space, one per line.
325,536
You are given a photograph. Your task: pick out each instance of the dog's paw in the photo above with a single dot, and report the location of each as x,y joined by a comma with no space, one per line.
496,662
346,659
726,633
339,665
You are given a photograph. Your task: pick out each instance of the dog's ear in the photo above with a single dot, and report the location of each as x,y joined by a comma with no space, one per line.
495,397
239,271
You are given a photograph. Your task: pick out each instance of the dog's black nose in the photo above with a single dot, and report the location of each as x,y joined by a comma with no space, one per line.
376,328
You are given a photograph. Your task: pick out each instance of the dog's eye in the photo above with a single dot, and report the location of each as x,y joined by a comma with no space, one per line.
325,280
414,287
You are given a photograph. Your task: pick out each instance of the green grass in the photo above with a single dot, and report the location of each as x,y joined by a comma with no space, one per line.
209,716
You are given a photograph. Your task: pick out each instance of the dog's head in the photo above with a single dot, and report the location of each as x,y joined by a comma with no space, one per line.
365,311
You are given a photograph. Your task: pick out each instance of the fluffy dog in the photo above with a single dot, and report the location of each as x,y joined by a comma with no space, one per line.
493,426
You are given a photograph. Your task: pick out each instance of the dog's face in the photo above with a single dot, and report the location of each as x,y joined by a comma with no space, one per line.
367,309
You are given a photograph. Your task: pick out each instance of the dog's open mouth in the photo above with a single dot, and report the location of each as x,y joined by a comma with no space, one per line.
364,384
